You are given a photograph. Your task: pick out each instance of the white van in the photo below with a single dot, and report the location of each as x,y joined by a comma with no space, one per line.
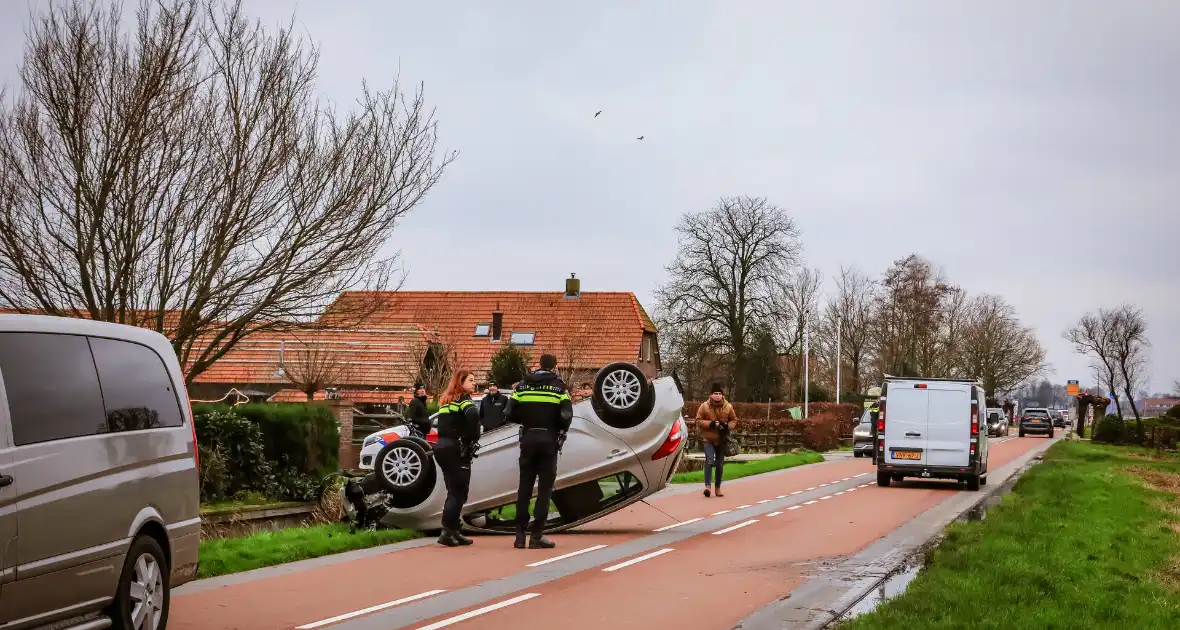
931,428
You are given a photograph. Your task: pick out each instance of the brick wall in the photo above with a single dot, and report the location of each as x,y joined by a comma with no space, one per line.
344,412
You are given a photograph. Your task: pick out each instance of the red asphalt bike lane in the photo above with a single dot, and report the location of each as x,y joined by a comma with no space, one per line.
714,581
291,600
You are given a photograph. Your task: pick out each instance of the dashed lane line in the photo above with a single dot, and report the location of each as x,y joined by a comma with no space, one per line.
774,513
571,554
721,512
481,611
675,525
370,609
734,527
623,565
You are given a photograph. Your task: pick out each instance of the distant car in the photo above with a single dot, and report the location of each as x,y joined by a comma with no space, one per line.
1036,420
1059,418
862,436
625,444
997,422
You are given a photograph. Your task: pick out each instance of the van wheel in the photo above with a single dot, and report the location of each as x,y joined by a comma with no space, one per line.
404,467
983,480
623,397
973,483
141,603
883,480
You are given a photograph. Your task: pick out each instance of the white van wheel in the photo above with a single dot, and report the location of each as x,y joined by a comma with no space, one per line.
141,603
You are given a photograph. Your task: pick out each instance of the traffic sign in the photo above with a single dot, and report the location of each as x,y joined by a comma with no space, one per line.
1071,388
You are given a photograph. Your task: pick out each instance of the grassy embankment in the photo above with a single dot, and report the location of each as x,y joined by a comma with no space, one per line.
737,470
1088,539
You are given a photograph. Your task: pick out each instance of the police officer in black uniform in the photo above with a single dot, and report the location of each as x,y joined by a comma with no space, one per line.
541,406
458,440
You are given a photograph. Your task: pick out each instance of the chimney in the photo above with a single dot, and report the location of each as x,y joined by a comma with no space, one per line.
497,323
573,288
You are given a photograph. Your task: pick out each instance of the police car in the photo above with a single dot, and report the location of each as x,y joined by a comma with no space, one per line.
374,442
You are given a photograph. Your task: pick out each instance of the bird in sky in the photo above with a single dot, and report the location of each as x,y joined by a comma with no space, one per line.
597,113
639,138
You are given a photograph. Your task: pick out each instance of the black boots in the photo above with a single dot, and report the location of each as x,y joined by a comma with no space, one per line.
450,538
536,541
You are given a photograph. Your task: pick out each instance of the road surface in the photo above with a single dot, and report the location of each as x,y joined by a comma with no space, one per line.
683,562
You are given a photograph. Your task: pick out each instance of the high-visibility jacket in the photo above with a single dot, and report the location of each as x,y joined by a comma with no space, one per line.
540,401
459,419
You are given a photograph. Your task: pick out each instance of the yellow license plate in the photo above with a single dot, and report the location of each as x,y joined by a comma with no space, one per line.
906,455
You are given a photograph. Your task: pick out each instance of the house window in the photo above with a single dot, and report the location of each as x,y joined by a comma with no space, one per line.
523,338
483,330
645,349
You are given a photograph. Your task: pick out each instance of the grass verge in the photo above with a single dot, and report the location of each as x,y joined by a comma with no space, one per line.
223,556
1087,539
737,470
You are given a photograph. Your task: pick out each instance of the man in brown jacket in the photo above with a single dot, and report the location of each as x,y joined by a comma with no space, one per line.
715,419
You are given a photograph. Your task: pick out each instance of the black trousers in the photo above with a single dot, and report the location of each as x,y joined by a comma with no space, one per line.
457,478
538,464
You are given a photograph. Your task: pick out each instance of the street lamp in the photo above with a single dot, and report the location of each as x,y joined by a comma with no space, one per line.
806,362
839,358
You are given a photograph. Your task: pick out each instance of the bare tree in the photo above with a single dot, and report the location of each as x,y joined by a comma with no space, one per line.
909,318
572,352
730,262
997,349
184,177
1129,345
435,359
1093,336
796,304
1176,388
311,363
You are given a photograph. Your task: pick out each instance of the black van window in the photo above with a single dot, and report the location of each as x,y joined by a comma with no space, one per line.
136,388
51,386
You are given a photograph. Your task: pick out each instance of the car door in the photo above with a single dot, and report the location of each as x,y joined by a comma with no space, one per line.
495,471
68,556
591,452
905,424
948,440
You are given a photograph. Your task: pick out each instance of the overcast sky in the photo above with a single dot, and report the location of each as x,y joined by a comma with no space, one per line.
1029,148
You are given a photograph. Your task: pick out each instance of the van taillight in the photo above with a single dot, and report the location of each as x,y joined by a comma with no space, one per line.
881,416
675,436
192,421
974,420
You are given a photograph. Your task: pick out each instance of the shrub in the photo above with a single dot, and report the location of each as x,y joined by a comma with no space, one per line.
305,437
233,459
1111,429
509,365
1174,412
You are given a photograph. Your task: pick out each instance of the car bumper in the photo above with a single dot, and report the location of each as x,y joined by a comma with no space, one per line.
1036,428
368,455
927,472
863,447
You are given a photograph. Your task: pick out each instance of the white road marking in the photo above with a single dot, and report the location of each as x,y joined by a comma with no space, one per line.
809,489
825,497
370,609
851,490
674,525
810,502
838,493
823,484
572,554
481,611
733,527
742,507
794,507
636,560
860,475
846,479
721,512
775,513
764,501
796,492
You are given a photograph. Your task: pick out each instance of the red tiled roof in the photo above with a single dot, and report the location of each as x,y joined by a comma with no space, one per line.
358,396
593,330
380,357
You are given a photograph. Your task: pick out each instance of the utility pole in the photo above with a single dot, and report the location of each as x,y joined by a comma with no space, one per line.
839,361
806,361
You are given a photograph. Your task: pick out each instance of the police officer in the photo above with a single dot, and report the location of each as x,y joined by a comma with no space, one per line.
541,406
491,409
458,439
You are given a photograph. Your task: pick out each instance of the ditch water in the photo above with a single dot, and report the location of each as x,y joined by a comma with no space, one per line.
895,583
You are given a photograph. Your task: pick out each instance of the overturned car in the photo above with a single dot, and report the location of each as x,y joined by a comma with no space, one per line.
624,444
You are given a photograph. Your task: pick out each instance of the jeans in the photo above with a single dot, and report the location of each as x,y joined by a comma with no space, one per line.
714,459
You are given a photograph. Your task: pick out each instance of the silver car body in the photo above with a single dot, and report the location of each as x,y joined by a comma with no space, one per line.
593,451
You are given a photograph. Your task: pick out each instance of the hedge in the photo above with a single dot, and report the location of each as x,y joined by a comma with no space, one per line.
279,451
821,431
847,412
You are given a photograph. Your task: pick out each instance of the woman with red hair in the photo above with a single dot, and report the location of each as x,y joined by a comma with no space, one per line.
458,434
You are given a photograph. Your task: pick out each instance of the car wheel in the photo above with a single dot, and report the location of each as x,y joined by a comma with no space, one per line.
983,480
973,483
1022,433
404,467
141,601
623,397
857,454
883,480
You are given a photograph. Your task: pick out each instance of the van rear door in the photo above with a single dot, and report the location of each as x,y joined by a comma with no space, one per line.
948,439
905,424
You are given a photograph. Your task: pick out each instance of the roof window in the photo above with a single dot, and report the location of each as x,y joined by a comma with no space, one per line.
523,338
483,330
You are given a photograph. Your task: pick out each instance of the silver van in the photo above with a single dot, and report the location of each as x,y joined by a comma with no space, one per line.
99,498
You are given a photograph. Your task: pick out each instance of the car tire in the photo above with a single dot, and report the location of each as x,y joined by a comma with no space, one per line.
1021,433
883,479
623,397
404,467
983,480
857,454
147,566
973,483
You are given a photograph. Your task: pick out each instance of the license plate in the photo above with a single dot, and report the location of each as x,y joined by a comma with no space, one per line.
906,455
